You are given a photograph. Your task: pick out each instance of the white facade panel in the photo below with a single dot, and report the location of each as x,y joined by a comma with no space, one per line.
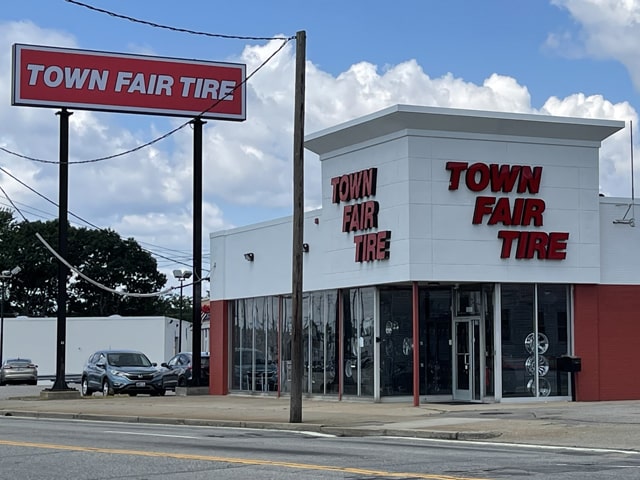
270,243
464,149
421,221
589,181
551,152
433,235
421,254
620,255
587,256
589,227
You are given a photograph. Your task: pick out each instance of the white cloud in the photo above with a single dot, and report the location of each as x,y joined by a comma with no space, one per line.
609,29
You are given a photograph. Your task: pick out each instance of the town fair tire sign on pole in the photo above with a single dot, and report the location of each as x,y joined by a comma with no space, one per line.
116,82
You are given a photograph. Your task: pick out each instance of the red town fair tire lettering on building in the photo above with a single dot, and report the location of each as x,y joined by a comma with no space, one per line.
522,212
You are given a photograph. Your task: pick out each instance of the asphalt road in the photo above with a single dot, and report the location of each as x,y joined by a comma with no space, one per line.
47,448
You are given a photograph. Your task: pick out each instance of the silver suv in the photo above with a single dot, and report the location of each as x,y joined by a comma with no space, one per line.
122,371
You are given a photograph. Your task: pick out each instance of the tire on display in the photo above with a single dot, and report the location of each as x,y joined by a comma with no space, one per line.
84,388
106,388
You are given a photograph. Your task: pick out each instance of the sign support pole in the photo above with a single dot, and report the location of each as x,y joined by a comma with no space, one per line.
63,207
197,253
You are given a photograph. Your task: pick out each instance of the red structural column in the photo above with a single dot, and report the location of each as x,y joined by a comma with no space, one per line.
219,348
586,341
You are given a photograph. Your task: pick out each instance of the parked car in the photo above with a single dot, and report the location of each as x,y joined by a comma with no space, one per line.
122,371
19,370
179,369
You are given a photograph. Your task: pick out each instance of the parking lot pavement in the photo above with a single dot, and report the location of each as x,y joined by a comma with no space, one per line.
9,391
23,391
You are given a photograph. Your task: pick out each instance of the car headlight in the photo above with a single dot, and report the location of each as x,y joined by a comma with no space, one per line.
117,373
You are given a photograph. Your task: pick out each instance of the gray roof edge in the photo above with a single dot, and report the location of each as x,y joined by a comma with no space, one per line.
534,117
404,117
353,122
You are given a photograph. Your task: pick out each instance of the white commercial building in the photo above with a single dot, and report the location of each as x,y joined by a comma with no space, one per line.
458,256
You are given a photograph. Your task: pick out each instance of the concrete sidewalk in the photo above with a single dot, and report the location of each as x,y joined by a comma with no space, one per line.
611,425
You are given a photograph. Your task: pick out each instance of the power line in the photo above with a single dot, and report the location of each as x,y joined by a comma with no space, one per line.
87,222
104,287
183,255
174,29
13,204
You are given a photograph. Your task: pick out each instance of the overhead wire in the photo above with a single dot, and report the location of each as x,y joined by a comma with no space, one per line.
168,27
98,284
89,279
79,218
13,204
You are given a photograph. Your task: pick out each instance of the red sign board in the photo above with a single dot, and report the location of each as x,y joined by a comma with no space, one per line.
118,82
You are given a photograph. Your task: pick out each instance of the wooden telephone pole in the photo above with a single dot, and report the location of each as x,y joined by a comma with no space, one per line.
295,410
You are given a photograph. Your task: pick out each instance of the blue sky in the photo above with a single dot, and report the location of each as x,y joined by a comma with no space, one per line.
559,57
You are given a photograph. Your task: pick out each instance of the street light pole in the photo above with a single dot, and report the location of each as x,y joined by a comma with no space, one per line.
181,275
4,276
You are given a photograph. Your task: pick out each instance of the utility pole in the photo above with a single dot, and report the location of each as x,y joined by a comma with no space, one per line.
295,411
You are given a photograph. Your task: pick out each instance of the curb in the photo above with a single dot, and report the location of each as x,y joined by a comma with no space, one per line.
294,427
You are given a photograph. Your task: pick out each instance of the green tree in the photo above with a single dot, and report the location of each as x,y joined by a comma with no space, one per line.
173,307
34,289
99,254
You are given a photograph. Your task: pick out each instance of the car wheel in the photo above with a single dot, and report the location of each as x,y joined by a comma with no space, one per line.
162,392
106,388
182,382
33,382
84,388
133,394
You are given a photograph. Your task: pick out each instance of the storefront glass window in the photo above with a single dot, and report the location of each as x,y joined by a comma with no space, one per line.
254,360
517,323
285,352
532,339
320,347
359,341
438,335
396,335
553,332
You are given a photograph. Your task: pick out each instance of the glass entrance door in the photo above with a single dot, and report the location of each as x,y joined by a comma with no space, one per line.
466,359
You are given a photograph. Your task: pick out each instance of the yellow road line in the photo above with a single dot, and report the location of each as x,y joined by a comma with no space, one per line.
241,461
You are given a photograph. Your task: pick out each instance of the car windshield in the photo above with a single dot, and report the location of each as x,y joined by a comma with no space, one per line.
20,362
128,359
